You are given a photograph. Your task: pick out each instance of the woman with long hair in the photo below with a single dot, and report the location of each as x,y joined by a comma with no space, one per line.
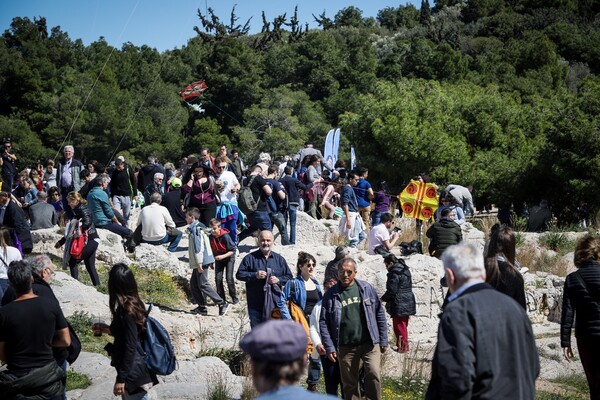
501,267
581,302
313,176
305,292
128,323
8,254
201,192
88,255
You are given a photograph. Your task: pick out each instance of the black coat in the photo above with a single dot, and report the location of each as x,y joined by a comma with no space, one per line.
510,283
443,234
485,350
14,217
399,295
581,299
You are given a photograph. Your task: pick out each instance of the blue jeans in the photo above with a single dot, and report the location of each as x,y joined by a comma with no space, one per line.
255,317
259,220
278,220
172,240
120,230
361,236
3,286
291,215
375,218
314,371
124,204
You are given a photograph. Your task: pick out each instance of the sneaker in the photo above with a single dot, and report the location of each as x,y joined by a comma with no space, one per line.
223,307
200,310
235,301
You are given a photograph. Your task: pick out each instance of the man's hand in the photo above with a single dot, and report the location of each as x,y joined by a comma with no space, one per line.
199,269
321,350
273,280
332,356
348,223
218,258
119,389
261,274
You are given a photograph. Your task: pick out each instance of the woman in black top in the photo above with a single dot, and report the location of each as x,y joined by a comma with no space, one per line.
88,255
501,268
128,323
581,299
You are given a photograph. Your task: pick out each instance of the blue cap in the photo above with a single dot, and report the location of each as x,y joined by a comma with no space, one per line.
276,340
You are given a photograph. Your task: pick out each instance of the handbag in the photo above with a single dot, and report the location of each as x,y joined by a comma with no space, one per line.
78,242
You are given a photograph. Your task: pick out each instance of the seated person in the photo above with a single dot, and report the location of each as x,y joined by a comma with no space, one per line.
380,240
155,219
41,214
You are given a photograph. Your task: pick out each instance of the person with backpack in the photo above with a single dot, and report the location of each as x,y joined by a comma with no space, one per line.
305,292
128,311
252,201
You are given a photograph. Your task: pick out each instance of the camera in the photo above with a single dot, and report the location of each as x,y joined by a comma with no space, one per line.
396,229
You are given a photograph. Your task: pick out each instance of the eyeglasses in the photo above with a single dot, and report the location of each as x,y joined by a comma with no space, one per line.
221,166
345,272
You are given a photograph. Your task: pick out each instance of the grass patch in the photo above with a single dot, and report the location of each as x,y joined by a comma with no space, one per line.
155,286
537,261
518,223
77,381
82,324
557,241
403,388
577,382
218,389
541,395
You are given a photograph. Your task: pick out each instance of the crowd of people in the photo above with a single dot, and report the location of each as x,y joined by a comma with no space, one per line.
337,327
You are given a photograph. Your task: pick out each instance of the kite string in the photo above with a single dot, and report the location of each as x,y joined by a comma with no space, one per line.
70,132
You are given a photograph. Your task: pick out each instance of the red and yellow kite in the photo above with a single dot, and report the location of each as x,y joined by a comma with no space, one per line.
419,200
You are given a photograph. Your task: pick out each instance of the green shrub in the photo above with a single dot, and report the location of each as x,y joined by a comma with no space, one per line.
235,359
77,381
556,241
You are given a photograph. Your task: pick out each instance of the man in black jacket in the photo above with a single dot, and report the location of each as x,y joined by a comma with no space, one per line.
486,348
12,216
444,233
122,182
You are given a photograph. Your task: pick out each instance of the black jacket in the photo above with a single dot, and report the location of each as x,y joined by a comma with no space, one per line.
443,234
581,298
399,295
485,350
14,217
510,283
125,357
173,202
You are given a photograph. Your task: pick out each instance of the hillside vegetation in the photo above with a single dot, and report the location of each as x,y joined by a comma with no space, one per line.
504,95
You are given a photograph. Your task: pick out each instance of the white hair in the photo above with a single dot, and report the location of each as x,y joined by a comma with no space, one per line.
158,175
264,157
69,147
465,260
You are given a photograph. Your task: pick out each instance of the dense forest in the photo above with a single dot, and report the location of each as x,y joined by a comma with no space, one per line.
500,94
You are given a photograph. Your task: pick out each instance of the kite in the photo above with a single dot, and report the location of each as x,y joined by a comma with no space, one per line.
192,92
419,200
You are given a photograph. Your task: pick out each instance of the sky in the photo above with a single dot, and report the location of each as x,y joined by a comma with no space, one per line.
166,24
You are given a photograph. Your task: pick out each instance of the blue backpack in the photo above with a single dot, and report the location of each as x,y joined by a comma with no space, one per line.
156,347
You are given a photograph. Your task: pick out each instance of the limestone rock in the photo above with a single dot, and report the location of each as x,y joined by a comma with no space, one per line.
158,257
110,249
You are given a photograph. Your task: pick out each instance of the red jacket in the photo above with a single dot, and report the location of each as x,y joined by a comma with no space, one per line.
222,243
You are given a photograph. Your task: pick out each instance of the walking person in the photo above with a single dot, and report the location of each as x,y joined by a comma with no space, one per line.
305,292
88,255
581,303
128,311
201,259
291,186
223,249
400,299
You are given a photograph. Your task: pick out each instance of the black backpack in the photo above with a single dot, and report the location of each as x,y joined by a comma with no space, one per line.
246,202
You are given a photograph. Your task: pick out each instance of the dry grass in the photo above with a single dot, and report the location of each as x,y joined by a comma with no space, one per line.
539,260
485,225
337,239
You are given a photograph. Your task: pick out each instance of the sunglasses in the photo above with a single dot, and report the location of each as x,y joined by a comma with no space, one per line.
345,272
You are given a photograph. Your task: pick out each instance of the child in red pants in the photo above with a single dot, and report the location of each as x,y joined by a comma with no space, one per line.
399,298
